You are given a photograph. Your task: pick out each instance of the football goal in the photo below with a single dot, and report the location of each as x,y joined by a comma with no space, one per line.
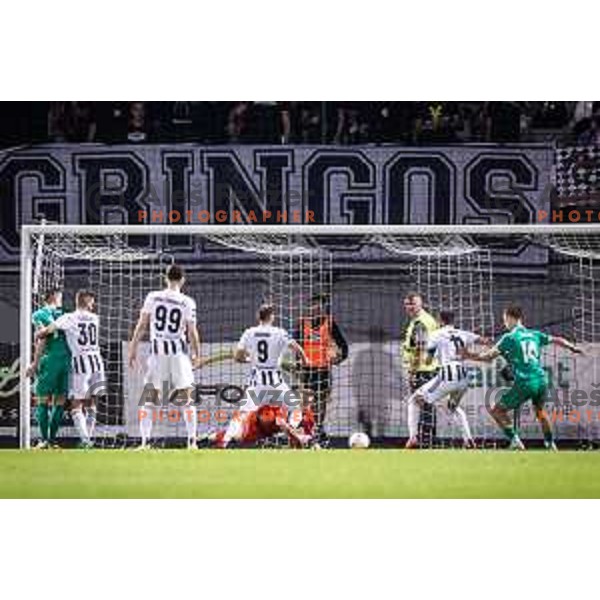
356,277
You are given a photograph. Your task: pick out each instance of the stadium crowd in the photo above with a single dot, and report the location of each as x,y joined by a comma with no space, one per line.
409,123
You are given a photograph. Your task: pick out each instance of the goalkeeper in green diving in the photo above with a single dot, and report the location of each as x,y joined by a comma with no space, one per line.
51,366
521,348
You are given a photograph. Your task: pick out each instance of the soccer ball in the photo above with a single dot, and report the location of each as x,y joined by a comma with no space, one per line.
359,440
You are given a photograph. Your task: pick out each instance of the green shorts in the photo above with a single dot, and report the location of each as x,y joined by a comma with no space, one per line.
53,376
535,390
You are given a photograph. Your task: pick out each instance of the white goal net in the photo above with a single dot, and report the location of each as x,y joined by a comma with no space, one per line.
354,276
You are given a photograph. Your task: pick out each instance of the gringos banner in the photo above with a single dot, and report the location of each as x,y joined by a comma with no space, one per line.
94,184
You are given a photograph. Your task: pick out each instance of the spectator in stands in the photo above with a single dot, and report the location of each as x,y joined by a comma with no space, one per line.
502,121
591,135
436,122
351,127
237,121
306,119
71,122
137,124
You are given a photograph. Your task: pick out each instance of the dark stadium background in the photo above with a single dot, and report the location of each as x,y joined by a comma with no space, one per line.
485,127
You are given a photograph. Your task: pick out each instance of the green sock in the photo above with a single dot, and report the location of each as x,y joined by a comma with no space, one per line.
509,432
56,420
548,437
41,413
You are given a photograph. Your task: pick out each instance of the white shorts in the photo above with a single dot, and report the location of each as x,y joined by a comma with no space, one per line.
257,393
450,380
86,385
169,372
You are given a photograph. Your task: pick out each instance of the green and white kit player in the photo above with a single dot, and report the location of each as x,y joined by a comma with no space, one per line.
51,367
521,348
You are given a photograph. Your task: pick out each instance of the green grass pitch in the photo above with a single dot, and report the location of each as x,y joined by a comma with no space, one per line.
295,474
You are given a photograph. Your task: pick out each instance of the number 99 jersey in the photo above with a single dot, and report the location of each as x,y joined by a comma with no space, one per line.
170,311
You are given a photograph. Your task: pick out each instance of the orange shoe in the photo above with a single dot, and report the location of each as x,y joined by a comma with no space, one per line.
412,443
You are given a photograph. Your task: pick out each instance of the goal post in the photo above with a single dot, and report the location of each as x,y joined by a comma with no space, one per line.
362,272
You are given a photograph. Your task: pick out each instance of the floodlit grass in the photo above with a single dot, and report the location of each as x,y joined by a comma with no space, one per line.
298,474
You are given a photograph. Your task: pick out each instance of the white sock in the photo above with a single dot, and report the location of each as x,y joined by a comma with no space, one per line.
145,415
460,417
414,411
190,416
79,421
90,417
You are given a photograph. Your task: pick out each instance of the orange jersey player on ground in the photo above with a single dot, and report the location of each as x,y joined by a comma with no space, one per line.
266,421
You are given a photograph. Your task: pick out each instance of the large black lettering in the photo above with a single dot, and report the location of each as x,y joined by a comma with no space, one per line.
178,168
113,188
48,200
402,204
230,186
496,186
356,203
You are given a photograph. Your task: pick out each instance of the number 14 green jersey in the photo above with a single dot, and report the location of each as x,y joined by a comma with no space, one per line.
522,347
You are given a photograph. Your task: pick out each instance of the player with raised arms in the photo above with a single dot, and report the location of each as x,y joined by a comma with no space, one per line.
268,405
521,348
51,366
451,380
87,367
170,317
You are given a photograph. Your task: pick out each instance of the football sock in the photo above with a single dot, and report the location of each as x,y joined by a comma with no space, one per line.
56,416
459,415
190,416
413,418
145,416
90,418
80,424
509,432
41,413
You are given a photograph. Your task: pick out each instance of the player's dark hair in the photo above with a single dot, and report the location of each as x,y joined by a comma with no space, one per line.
319,299
446,317
48,295
82,297
175,273
413,296
265,312
514,311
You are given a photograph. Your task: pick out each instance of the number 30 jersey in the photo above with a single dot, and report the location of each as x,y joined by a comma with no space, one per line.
170,311
81,331
265,344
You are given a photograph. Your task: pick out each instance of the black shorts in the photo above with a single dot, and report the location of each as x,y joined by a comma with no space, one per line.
317,380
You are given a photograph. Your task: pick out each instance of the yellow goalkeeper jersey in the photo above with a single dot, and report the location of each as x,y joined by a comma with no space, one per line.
417,334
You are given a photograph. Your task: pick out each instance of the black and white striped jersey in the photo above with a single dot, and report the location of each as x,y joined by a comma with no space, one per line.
265,344
81,329
170,311
445,344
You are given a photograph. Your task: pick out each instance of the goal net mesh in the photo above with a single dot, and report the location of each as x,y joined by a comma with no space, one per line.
359,280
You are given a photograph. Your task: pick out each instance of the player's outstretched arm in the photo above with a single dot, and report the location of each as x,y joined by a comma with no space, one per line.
44,332
221,356
194,337
300,438
564,343
486,356
298,351
140,329
40,345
